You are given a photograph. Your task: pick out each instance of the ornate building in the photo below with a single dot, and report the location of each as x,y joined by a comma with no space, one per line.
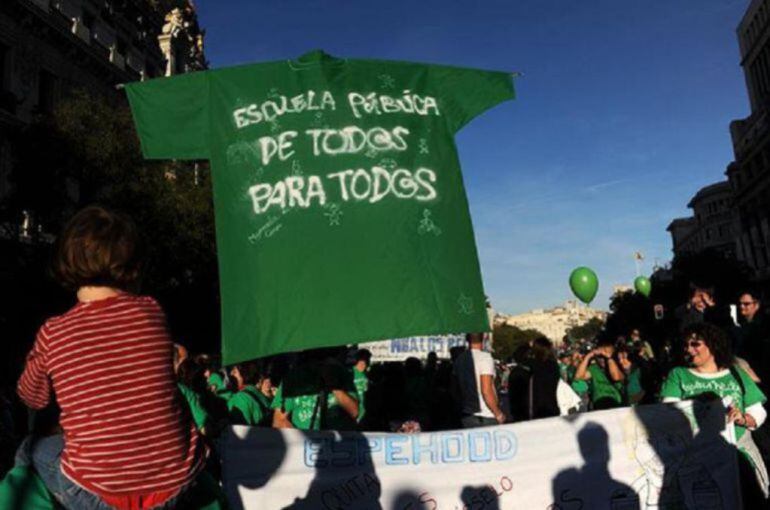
710,227
49,48
553,322
749,174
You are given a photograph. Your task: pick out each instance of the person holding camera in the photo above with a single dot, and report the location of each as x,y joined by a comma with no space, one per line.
604,376
318,394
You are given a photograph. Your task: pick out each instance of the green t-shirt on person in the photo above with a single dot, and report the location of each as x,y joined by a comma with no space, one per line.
247,408
318,164
303,409
684,383
361,380
220,388
264,400
299,391
603,391
633,384
199,414
578,386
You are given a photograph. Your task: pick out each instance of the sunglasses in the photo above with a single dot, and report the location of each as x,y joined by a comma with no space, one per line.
695,344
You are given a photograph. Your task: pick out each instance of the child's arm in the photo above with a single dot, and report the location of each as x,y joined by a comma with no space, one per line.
34,386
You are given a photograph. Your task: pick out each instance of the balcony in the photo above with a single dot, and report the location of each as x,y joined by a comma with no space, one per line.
43,4
117,59
81,31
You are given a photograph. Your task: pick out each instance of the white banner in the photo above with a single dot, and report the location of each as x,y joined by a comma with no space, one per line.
648,457
413,347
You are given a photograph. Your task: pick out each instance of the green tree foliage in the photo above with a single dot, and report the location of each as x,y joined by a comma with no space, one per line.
707,269
629,310
587,331
509,338
88,152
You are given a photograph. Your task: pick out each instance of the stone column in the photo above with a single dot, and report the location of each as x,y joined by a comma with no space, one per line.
166,47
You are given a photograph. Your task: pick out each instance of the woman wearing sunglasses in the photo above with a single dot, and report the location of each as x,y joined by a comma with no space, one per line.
712,372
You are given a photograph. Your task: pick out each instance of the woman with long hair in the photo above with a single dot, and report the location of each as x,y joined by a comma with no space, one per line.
713,372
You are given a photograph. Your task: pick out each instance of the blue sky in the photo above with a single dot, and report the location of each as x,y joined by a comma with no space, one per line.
621,115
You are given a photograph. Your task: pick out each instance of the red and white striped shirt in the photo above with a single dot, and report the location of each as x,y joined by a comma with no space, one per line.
127,433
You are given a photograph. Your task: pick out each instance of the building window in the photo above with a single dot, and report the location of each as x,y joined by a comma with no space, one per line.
88,20
46,100
4,54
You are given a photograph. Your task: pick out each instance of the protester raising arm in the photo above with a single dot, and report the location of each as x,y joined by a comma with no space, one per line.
582,373
346,402
335,378
281,419
616,373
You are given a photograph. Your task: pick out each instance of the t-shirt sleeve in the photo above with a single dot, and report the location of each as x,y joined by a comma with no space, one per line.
278,398
34,386
199,414
172,116
753,394
634,386
486,365
672,387
466,93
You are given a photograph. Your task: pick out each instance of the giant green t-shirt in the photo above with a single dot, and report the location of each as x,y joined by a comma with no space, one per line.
683,383
341,215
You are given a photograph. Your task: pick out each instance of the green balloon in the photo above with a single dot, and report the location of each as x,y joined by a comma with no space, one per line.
584,284
643,285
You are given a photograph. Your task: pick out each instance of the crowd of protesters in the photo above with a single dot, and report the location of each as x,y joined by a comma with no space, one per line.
150,411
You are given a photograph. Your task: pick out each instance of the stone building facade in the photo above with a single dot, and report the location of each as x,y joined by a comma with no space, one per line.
734,216
749,173
553,322
710,227
49,48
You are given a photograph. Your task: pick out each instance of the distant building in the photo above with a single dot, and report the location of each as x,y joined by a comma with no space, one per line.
553,322
749,174
621,289
710,227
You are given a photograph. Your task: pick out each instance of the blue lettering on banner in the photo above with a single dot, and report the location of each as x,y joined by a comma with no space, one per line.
437,344
397,450
485,440
446,447
311,454
431,448
392,449
505,444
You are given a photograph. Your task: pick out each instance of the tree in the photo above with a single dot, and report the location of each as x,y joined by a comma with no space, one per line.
509,338
587,331
90,154
629,310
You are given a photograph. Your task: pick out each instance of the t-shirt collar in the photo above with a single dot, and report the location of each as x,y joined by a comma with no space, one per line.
714,375
315,58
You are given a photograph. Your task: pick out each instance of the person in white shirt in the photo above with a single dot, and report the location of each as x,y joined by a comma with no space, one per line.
474,374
